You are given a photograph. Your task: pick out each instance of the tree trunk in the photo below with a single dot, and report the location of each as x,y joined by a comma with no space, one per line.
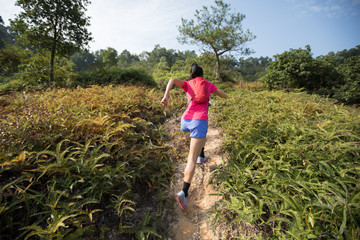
217,67
53,51
51,77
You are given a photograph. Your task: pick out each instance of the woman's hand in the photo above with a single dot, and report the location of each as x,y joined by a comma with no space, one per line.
165,101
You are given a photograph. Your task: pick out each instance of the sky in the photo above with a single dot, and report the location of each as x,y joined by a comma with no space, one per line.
279,25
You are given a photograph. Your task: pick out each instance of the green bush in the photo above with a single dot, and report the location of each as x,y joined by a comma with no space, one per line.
5,79
227,76
85,163
11,56
297,69
293,165
11,86
349,92
37,71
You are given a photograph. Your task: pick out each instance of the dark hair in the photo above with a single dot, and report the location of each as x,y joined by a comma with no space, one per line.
196,71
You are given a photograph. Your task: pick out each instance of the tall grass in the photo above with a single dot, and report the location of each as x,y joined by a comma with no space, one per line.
88,162
294,165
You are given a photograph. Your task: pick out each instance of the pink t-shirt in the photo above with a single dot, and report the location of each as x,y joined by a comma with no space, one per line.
195,111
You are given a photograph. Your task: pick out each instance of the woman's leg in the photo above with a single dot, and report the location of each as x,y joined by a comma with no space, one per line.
196,144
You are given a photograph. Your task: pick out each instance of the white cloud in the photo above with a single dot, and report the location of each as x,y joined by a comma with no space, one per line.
135,25
8,10
329,8
138,25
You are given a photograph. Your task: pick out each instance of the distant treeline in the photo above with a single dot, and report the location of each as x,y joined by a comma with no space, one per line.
335,74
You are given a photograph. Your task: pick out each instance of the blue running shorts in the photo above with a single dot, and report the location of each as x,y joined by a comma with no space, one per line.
197,128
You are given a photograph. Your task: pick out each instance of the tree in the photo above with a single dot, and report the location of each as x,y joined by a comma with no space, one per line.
109,57
349,92
59,26
83,60
217,30
291,69
183,61
252,69
11,56
35,71
168,55
126,59
297,69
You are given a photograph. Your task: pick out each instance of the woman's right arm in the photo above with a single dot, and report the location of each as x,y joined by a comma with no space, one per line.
220,93
172,81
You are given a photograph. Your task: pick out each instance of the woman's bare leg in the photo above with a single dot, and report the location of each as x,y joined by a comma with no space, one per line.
196,144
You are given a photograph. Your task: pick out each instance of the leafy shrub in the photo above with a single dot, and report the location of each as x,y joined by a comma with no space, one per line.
5,79
293,165
36,72
226,76
88,162
12,85
83,60
349,92
114,76
252,69
297,69
11,56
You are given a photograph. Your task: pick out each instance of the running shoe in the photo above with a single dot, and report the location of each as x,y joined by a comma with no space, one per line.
181,199
201,160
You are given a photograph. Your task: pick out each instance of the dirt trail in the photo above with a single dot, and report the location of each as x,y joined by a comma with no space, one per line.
195,222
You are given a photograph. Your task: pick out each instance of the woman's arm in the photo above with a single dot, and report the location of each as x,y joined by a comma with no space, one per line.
177,82
220,93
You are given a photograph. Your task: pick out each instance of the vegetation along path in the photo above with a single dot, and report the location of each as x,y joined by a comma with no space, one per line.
195,222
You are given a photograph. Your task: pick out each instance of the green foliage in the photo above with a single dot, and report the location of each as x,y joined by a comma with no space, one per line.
180,70
161,55
340,57
109,57
126,59
162,76
36,71
297,69
252,69
219,31
291,69
83,163
293,165
83,60
59,27
11,85
326,78
114,76
349,92
11,56
63,23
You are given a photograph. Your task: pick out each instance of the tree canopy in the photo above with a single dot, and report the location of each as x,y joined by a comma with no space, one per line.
58,26
217,30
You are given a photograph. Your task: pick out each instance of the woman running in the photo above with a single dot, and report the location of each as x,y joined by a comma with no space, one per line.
194,120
